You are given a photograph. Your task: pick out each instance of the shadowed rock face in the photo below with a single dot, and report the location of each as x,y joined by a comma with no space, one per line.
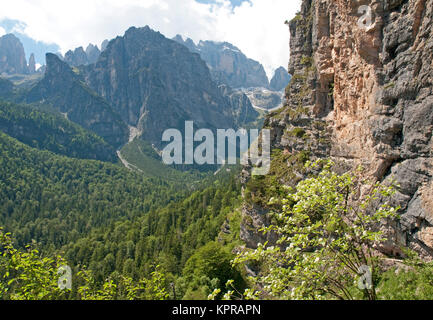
32,64
92,53
280,80
12,56
79,57
155,83
228,65
64,90
371,89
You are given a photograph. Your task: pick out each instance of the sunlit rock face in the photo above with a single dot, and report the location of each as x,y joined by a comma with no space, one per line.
369,85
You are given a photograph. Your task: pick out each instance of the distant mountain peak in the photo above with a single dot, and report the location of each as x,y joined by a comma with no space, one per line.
12,55
228,64
55,66
280,80
80,57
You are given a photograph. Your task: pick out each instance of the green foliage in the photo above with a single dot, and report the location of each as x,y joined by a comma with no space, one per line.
49,131
284,169
108,218
411,279
141,154
119,287
56,200
6,88
30,276
209,267
168,236
323,238
27,275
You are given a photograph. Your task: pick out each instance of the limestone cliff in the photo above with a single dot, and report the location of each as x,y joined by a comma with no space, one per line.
362,94
12,56
228,65
155,84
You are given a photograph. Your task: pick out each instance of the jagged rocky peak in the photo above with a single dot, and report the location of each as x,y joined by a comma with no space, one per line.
77,57
155,84
104,44
367,99
12,56
81,57
228,64
56,68
32,63
93,53
280,80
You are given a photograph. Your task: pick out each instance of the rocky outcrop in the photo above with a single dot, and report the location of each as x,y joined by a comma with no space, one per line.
79,57
228,65
66,92
362,94
76,58
243,111
280,80
92,53
12,56
32,64
155,84
104,44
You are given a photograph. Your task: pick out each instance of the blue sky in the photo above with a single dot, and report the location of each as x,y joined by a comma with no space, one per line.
256,26
38,48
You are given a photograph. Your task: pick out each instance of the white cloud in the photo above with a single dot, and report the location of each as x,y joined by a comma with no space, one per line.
257,28
2,32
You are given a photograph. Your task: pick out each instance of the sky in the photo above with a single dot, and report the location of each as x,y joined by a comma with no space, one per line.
254,26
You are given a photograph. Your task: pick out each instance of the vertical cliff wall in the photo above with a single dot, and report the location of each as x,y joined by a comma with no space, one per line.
362,94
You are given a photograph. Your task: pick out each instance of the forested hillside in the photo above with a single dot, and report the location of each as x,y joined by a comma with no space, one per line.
111,219
55,200
48,131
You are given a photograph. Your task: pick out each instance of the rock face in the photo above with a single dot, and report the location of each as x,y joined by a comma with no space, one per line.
228,64
12,56
77,57
155,84
92,53
280,80
66,91
104,45
362,94
32,64
243,110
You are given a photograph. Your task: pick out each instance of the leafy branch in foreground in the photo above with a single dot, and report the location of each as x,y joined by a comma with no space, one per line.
30,276
27,275
124,288
326,236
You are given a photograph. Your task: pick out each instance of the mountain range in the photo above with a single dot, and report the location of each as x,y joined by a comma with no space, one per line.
141,84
